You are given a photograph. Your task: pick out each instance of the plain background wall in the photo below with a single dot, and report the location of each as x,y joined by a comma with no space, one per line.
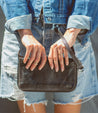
7,106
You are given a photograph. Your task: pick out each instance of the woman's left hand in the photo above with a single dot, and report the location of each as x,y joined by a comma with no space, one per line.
58,49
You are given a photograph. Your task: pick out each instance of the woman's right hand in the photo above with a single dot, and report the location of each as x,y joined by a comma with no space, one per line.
34,50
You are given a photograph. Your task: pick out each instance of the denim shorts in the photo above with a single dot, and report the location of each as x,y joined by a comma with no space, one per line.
87,85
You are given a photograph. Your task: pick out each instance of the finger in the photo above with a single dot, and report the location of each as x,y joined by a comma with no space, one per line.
37,59
27,54
32,57
66,56
50,56
43,59
55,58
60,55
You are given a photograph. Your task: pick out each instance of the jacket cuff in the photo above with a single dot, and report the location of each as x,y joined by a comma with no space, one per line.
19,22
79,22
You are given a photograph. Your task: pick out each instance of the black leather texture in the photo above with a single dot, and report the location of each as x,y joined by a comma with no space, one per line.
47,80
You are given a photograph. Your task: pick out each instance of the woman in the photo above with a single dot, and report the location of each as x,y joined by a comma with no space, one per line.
36,30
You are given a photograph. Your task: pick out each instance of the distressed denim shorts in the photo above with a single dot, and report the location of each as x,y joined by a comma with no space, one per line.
87,85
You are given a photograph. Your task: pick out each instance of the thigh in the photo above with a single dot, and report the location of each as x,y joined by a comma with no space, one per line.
68,108
39,108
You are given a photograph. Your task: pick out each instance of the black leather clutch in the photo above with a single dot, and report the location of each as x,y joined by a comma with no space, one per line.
48,80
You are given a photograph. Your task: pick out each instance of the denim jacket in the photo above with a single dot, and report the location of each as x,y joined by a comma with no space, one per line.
82,14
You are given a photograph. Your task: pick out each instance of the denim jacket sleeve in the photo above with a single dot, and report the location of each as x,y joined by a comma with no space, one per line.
84,15
17,14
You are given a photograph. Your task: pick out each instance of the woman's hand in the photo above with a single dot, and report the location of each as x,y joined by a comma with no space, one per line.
34,50
57,50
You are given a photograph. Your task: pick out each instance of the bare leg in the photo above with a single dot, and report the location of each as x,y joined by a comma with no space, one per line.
40,108
68,108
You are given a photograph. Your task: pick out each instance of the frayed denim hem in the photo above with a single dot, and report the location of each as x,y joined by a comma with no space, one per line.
33,104
75,102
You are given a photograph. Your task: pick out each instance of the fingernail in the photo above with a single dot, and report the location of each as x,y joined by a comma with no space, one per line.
27,67
67,63
56,70
40,68
32,69
52,67
62,69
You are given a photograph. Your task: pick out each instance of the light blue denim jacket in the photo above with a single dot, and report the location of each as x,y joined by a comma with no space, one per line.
82,14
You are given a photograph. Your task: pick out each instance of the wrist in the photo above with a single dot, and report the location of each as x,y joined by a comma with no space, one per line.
23,32
74,31
70,35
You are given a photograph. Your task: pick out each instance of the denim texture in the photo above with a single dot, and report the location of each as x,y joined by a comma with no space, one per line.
75,13
87,85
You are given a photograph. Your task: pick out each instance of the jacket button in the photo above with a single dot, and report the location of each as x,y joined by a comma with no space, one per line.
49,19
